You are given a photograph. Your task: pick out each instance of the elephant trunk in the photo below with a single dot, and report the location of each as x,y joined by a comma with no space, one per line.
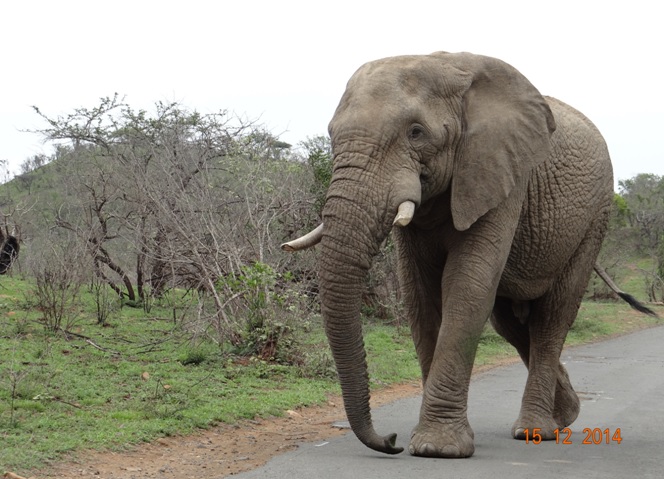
347,247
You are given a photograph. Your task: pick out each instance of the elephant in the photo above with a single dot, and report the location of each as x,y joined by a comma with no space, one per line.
498,200
8,252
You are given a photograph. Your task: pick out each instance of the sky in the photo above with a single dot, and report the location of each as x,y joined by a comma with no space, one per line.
286,63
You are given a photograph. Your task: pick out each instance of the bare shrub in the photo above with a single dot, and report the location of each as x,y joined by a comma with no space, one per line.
106,300
58,281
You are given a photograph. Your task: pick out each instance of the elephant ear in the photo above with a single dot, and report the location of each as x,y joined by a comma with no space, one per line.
507,126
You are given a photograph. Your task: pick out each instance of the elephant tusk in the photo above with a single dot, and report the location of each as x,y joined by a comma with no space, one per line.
303,242
404,214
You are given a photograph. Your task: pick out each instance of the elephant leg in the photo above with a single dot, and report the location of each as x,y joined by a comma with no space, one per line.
473,264
566,405
515,330
443,429
546,343
551,317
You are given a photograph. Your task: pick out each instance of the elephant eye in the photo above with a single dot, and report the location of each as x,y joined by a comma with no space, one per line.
416,133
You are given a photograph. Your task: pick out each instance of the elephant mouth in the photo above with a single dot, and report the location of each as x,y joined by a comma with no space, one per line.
404,216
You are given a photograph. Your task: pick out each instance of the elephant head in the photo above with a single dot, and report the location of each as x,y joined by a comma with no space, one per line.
444,136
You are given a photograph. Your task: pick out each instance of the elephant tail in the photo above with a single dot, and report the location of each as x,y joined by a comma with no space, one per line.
631,300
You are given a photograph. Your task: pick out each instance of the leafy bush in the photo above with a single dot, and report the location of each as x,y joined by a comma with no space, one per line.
266,319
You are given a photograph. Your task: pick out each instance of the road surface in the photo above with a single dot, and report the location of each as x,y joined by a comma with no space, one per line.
620,382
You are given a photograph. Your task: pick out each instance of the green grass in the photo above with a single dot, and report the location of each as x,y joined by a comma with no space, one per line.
492,348
143,377
632,280
391,354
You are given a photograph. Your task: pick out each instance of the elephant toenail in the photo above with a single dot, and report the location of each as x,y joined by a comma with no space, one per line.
451,451
428,449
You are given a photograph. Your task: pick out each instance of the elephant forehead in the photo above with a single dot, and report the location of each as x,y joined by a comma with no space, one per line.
396,76
398,87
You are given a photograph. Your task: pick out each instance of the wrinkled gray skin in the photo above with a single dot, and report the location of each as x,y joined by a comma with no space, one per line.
512,194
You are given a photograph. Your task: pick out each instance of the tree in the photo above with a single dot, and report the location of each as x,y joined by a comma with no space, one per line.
34,162
123,168
643,208
644,197
318,154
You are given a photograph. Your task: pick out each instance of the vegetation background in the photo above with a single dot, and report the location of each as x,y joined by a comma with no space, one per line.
150,296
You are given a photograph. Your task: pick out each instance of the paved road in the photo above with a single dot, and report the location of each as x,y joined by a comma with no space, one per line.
621,383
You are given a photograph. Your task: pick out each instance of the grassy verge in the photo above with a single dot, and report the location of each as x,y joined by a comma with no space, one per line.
142,377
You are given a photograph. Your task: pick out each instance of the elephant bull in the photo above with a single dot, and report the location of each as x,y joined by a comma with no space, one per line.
500,197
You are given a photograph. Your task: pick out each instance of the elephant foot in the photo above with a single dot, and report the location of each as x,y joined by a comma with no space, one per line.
453,440
566,405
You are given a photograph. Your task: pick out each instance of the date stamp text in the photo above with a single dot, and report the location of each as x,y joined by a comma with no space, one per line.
564,436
